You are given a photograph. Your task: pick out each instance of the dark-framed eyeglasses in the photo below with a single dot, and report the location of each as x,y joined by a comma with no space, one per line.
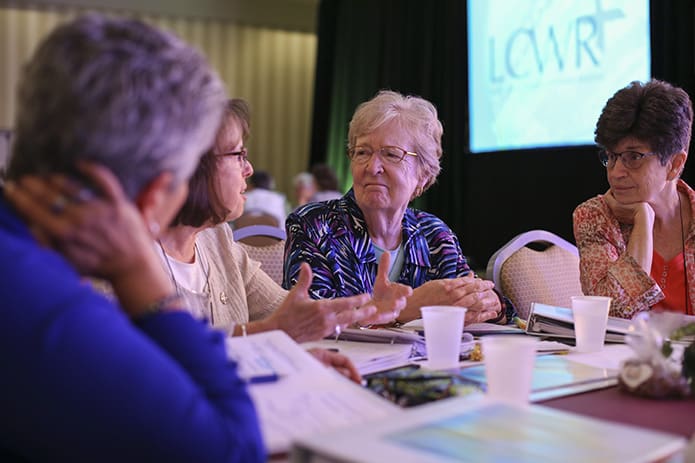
630,159
242,155
392,154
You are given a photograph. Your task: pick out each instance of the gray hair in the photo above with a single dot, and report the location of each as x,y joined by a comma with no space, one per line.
120,93
417,115
303,179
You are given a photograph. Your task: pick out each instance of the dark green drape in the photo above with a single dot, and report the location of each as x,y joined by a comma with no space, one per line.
419,47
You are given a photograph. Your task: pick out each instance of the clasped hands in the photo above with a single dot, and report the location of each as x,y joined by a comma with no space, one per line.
476,294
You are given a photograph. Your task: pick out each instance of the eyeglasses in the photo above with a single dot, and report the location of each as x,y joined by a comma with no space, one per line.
242,156
390,154
630,159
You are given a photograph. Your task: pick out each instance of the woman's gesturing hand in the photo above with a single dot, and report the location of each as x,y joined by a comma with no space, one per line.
389,298
306,319
102,235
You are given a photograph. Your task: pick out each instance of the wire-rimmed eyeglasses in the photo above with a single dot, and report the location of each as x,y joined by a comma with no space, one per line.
242,155
630,159
392,154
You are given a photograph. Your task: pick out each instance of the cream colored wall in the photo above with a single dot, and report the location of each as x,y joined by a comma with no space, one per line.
273,69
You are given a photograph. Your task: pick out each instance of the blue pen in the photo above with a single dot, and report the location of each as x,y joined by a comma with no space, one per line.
271,378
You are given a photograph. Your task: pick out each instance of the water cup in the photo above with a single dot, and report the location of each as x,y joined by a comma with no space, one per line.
509,361
590,319
443,331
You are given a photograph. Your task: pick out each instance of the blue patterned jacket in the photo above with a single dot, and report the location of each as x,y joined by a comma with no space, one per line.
332,238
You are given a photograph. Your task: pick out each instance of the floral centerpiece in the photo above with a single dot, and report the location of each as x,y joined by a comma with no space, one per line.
664,366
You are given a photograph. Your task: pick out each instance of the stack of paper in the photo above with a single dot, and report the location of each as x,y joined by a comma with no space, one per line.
306,397
368,357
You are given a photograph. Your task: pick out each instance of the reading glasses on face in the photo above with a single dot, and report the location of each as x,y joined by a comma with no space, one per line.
390,154
242,155
630,159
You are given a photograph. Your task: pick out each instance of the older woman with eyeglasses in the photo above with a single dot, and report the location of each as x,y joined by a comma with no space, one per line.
221,282
394,146
636,241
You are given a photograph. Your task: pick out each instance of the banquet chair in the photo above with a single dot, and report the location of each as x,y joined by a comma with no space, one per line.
266,244
536,266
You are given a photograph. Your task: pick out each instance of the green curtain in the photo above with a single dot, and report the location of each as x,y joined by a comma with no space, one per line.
420,47
403,45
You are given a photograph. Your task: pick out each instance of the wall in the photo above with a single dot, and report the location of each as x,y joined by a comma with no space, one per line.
271,67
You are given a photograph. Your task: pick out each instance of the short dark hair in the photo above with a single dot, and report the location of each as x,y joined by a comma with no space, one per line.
654,112
325,177
203,203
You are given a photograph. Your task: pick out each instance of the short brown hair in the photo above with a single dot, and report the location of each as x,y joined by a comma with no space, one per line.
654,112
203,203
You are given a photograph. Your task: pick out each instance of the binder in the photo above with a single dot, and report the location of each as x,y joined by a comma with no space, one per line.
558,322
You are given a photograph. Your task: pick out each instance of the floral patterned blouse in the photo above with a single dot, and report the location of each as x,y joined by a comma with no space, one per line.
606,269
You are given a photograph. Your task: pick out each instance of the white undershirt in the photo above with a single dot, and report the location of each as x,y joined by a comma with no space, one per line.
192,279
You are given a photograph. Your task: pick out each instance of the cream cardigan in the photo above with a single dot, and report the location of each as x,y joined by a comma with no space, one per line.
240,290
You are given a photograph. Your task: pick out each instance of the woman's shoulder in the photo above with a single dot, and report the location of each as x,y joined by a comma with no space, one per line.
325,211
218,240
424,220
214,234
591,206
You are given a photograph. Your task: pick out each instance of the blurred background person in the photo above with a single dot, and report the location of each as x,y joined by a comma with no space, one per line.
394,146
88,379
637,242
326,183
304,188
261,197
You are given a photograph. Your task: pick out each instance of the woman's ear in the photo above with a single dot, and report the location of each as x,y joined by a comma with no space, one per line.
151,200
677,165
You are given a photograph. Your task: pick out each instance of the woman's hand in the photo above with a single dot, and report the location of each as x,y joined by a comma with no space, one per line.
641,216
306,319
102,236
629,213
475,294
389,298
340,362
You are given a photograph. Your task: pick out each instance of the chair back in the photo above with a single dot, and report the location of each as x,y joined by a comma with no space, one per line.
259,235
271,258
536,266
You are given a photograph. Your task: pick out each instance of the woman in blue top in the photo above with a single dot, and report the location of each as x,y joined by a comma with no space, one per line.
394,146
86,379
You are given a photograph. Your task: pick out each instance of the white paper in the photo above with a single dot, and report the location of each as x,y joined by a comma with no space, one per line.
308,397
368,357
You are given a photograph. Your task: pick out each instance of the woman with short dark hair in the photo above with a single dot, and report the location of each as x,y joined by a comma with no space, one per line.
637,241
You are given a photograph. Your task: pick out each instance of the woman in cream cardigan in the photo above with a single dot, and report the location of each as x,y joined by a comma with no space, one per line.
228,288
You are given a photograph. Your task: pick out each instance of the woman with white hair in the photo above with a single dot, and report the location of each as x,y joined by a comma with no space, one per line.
394,146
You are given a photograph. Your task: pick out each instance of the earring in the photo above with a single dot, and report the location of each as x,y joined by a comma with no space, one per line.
154,228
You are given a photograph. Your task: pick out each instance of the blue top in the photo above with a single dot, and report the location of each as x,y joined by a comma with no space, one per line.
80,381
332,237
